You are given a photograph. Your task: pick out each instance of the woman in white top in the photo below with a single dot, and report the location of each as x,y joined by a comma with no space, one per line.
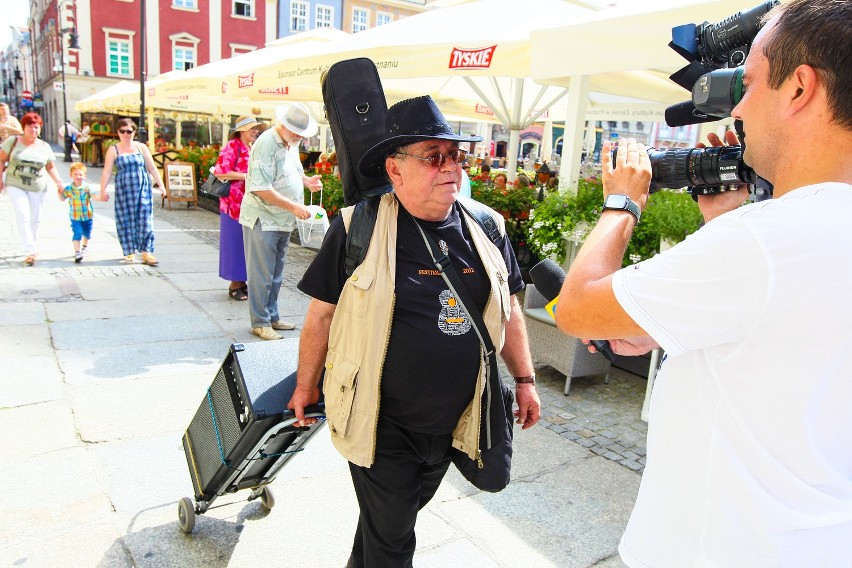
27,162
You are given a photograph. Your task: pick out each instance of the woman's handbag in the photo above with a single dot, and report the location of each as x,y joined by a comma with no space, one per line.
216,186
492,470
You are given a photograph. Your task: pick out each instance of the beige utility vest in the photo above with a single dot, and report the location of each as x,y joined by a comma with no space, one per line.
360,332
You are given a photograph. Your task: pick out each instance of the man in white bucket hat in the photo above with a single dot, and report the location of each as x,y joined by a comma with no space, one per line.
274,200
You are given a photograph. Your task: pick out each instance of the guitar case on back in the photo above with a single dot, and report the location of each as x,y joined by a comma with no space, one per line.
355,106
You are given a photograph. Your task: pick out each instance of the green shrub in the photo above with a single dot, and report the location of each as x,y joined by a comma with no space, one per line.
332,194
670,214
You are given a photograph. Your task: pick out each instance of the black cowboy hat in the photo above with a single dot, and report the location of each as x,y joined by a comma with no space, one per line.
407,122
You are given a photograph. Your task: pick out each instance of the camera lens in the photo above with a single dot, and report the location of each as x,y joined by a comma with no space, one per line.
697,167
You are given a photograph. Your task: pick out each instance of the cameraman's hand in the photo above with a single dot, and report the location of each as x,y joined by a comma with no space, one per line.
631,173
629,346
712,206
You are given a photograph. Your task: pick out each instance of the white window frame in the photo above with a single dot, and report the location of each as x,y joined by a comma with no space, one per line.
250,7
191,5
357,25
119,37
299,11
241,48
324,16
184,42
383,18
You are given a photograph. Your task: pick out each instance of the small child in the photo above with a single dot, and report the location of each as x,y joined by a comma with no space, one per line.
79,196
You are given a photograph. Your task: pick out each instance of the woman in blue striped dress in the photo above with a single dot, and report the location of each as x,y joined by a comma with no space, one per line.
134,204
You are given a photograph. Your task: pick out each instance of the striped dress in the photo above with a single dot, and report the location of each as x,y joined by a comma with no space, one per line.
134,204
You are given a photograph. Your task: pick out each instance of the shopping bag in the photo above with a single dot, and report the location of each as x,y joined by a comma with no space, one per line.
313,229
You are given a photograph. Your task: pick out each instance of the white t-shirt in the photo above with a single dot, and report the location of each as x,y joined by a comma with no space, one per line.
750,433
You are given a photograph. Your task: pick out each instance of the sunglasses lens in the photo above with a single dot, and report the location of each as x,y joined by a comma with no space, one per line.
123,131
435,160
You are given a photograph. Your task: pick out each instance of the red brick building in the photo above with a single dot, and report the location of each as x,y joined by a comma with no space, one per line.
179,34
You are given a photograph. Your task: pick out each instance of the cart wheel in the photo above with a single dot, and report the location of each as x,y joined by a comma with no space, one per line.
186,515
267,499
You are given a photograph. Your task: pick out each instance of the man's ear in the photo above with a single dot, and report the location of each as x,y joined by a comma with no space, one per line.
805,83
392,168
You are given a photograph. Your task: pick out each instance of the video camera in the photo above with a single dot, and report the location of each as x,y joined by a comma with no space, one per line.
716,53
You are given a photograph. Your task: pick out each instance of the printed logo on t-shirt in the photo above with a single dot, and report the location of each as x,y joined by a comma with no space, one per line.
27,171
452,320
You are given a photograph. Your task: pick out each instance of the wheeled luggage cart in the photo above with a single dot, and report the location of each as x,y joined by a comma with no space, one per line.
242,433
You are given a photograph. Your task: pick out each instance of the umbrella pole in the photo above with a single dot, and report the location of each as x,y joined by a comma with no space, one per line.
572,140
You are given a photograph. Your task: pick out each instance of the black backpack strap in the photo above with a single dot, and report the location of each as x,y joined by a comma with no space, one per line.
484,216
360,232
360,228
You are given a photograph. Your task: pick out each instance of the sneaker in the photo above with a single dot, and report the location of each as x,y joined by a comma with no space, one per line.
266,333
85,250
78,257
282,325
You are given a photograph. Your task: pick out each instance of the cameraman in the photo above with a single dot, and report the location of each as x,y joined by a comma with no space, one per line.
750,436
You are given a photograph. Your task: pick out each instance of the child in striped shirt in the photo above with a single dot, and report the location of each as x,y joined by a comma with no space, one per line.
79,196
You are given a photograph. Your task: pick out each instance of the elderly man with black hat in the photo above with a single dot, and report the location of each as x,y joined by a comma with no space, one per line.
404,366
273,200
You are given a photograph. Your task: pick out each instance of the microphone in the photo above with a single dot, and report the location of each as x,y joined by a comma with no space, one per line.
684,114
548,278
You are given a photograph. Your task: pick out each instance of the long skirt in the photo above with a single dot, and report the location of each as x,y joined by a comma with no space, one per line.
232,255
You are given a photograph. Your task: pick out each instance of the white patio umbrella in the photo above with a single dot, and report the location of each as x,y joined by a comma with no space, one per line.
474,51
626,46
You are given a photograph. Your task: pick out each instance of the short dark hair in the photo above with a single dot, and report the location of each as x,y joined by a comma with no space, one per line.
811,32
486,169
126,122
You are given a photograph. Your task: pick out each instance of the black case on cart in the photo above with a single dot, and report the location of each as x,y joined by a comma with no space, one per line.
242,433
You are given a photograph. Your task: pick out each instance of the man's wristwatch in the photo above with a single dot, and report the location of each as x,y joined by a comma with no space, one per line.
529,379
622,203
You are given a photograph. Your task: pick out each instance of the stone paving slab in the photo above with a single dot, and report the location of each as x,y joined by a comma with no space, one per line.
107,308
143,407
82,334
143,472
517,527
51,423
29,380
92,544
21,313
67,494
92,364
25,340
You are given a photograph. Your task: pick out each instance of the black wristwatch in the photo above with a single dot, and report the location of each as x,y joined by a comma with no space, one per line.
622,203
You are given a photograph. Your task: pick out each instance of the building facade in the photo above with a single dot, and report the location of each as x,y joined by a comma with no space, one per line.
83,46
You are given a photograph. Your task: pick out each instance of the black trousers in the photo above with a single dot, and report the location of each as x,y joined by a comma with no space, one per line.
406,472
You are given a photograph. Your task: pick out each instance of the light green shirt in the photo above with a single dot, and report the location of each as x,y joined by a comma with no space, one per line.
272,166
25,169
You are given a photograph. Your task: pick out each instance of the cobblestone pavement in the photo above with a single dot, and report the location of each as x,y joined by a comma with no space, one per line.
602,417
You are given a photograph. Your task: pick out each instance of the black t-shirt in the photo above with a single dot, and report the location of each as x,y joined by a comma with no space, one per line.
432,357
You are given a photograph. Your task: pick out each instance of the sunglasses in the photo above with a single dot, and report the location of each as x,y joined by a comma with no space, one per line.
125,131
437,160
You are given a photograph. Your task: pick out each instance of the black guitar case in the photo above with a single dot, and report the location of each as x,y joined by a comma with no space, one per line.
355,106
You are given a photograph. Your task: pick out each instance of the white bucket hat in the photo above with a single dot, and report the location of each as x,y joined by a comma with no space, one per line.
296,118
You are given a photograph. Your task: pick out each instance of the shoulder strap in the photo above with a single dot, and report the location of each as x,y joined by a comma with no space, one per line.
359,232
483,216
